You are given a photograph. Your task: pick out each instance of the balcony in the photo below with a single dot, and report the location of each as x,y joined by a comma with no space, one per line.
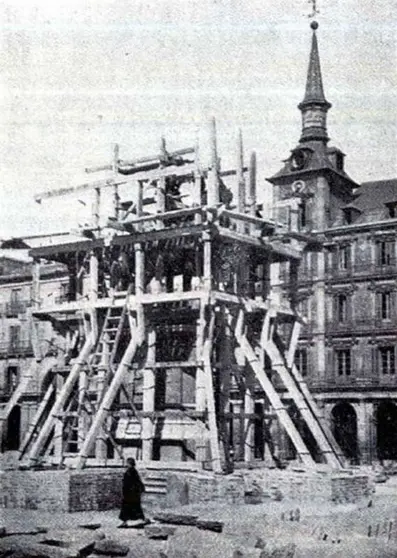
16,348
358,382
366,325
361,270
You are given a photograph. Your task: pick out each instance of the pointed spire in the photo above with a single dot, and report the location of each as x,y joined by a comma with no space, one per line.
314,83
314,106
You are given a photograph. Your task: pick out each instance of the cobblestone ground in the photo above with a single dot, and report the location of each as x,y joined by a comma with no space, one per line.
285,529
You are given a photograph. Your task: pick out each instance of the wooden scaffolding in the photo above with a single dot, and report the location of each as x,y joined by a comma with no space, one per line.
177,325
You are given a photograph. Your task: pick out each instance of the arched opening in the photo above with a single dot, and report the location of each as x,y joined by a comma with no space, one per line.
12,438
344,427
386,430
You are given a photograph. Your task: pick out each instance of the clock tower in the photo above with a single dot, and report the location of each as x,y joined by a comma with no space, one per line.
314,173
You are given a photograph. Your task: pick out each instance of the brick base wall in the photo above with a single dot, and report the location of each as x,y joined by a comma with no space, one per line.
100,489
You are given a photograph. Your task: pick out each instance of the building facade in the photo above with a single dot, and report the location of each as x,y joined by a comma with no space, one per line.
25,347
346,285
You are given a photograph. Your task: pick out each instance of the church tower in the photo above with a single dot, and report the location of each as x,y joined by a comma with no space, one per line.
314,172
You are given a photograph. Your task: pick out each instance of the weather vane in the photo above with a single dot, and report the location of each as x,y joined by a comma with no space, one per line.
315,10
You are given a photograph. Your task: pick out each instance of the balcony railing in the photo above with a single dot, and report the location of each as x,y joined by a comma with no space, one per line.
362,324
16,348
353,382
362,270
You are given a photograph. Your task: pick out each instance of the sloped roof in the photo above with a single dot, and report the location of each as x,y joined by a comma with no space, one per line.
376,194
371,200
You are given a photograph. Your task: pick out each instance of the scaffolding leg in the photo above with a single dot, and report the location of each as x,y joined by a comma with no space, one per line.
60,401
272,395
209,387
107,401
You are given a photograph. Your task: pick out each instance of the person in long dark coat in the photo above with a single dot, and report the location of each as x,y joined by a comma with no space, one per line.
133,487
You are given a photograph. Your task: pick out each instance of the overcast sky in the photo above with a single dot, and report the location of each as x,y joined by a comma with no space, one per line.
78,76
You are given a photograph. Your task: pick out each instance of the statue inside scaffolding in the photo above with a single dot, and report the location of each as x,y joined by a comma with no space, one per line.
177,345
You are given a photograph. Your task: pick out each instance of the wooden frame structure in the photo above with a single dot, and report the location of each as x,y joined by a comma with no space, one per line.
175,318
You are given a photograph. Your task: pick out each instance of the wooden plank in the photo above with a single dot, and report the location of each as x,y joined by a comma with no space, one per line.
167,215
164,234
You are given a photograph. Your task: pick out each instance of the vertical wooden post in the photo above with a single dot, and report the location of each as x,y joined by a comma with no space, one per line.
36,284
58,424
161,185
82,420
100,442
249,408
96,205
240,176
93,296
225,380
139,289
115,166
139,203
149,384
207,271
213,176
197,194
201,442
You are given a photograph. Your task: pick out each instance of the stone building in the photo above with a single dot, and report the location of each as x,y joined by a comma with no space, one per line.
22,346
346,282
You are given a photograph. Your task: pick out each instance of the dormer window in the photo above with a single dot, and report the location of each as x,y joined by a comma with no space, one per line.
339,161
392,210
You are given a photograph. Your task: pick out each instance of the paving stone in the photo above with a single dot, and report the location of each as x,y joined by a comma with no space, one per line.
147,548
159,532
175,519
17,549
10,531
216,526
110,547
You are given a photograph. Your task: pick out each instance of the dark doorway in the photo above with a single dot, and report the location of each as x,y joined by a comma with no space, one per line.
387,430
12,438
344,427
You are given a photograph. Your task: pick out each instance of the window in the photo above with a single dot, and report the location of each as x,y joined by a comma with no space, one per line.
343,362
15,296
15,335
387,360
392,210
302,215
341,308
386,252
344,257
301,361
385,305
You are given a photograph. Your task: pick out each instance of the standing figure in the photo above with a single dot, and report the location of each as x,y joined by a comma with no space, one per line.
132,489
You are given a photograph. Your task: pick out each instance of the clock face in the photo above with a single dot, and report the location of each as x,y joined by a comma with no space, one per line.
298,159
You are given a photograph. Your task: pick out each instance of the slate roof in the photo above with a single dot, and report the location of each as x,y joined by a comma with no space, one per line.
372,199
